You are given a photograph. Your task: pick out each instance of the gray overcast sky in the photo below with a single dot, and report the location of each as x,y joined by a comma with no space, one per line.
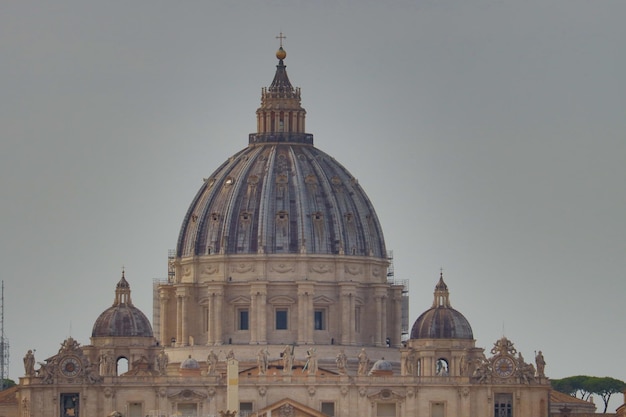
489,134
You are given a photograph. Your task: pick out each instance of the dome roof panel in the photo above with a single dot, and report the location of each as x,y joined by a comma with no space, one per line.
122,321
441,323
281,198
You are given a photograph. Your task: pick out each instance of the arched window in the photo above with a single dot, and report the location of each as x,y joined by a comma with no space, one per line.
122,365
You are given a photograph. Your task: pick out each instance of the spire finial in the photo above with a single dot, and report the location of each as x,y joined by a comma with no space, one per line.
281,37
281,54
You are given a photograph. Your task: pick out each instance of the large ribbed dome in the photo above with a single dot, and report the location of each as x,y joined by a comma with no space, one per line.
281,195
122,319
441,321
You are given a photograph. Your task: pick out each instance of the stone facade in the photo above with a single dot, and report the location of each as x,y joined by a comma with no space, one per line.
278,303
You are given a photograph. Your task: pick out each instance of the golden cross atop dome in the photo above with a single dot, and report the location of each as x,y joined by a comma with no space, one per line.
281,37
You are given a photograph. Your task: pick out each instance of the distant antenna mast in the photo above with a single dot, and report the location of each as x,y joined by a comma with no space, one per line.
4,347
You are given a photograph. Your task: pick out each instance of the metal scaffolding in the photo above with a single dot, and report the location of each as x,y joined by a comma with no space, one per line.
4,347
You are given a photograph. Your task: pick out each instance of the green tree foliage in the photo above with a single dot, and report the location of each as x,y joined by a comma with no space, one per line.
8,383
583,386
605,387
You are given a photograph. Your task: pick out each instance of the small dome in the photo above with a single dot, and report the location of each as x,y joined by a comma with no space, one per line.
122,319
190,363
382,365
381,368
441,321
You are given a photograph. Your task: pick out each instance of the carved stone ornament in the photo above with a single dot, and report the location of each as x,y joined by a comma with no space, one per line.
210,269
503,346
321,268
187,395
243,267
286,410
281,268
386,395
354,269
464,392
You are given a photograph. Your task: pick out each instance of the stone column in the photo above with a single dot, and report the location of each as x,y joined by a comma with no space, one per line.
218,318
396,336
347,297
211,327
185,324
262,316
383,320
258,319
379,324
306,291
253,317
346,324
179,320
302,331
164,300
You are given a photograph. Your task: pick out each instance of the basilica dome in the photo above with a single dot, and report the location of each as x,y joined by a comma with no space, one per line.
441,321
278,241
122,319
281,195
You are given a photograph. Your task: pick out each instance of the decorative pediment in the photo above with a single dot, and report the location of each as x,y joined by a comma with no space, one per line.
241,300
505,366
385,395
281,300
70,365
323,300
289,408
187,395
70,345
